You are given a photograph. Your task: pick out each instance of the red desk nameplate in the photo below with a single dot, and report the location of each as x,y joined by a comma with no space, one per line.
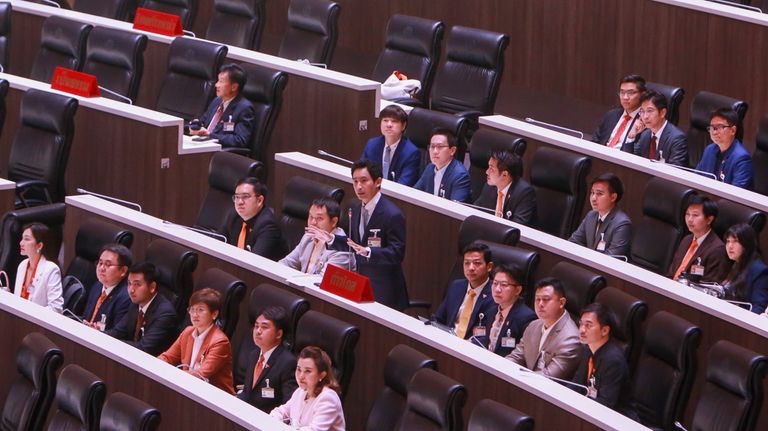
157,22
72,81
347,284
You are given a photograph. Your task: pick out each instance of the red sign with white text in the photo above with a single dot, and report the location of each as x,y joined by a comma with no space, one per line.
72,81
347,284
158,22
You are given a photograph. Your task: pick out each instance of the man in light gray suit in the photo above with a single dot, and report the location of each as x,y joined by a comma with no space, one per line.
550,344
312,254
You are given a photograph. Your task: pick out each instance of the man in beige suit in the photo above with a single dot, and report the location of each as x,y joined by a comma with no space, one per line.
550,344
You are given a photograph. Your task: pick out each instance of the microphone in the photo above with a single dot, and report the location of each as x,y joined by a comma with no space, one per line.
72,315
118,95
619,256
477,207
680,426
575,133
306,61
189,33
349,247
561,381
477,341
695,171
51,3
738,5
335,157
5,284
214,235
125,203
745,305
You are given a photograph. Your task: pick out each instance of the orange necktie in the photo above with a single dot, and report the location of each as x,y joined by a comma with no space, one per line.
620,131
499,204
257,370
686,259
466,314
241,238
590,368
98,304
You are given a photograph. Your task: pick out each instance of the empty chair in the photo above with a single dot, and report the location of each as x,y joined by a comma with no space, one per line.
125,413
702,106
62,43
421,123
5,33
412,46
264,89
188,86
489,415
40,148
122,10
732,395
337,338
116,58
311,32
401,364
484,143
4,85
174,265
31,392
731,213
581,286
674,97
523,259
657,235
79,399
560,180
434,403
232,291
184,9
668,360
92,235
237,22
760,157
298,196
630,313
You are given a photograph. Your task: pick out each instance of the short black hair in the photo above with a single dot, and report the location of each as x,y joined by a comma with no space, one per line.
124,256
508,161
236,75
396,112
259,188
278,316
604,315
708,206
477,247
657,99
374,168
330,205
511,270
614,184
727,113
145,268
448,133
557,285
634,79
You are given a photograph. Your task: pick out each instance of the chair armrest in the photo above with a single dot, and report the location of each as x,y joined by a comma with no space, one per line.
238,150
24,186
415,303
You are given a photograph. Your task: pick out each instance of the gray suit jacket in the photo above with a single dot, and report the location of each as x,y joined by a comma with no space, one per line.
617,230
299,257
560,350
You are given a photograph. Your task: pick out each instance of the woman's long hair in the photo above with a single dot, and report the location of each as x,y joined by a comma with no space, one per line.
739,285
323,364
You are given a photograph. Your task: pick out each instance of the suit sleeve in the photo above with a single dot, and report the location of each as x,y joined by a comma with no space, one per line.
156,335
173,354
339,258
526,208
327,410
716,264
288,384
293,259
620,239
368,153
518,354
462,188
244,117
119,310
600,135
609,387
394,251
410,172
579,236
421,184
218,356
678,148
759,297
248,379
743,173
123,330
441,315
268,240
54,290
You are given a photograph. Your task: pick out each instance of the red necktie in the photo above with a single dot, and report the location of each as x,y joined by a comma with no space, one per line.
652,150
620,131
216,117
139,325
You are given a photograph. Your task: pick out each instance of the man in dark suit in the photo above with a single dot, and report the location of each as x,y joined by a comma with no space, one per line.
657,138
468,301
151,323
606,228
511,316
706,258
230,116
510,196
108,297
726,157
272,364
256,228
398,156
445,176
617,123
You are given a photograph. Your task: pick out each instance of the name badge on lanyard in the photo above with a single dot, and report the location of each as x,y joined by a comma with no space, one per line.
267,392
374,241
229,126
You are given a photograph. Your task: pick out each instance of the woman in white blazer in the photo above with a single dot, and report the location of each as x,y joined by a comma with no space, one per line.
38,279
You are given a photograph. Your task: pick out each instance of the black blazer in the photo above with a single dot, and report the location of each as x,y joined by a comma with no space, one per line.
281,372
519,203
672,143
243,115
160,326
115,305
264,236
610,119
612,379
713,257
514,326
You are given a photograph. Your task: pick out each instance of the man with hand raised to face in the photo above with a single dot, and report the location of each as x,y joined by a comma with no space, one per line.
654,137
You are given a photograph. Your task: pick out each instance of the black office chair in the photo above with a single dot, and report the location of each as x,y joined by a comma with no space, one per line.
4,85
527,261
337,338
730,213
658,233
237,23
188,86
123,412
421,123
62,43
185,9
412,46
702,106
630,313
264,89
62,4
123,10
760,157
5,33
674,97
79,398
174,264
116,58
581,286
732,395
40,148
298,196
434,403
560,180
232,291
31,392
668,359
311,32
484,143
401,364
475,228
489,415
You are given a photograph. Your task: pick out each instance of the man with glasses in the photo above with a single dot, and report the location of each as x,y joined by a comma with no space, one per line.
654,137
507,324
445,176
108,299
726,157
617,123
256,228
505,192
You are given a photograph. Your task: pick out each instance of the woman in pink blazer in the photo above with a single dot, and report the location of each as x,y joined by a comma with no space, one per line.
38,278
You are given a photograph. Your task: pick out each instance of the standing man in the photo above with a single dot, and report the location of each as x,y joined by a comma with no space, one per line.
256,228
230,116
108,297
511,316
510,196
398,156
726,157
654,137
701,252
445,176
617,123
606,228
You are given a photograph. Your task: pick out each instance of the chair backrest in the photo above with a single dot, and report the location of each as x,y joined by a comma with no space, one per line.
123,412
311,32
560,180
237,22
92,235
733,390
336,337
760,157
489,415
79,398
484,143
232,291
225,169
470,77
5,33
581,286
114,9
730,213
174,265
702,106
264,89
475,228
116,57
185,9
31,393
674,97
73,293
434,403
401,364
668,359
421,122
62,43
630,313
412,46
658,233
189,83
4,85
527,261
298,196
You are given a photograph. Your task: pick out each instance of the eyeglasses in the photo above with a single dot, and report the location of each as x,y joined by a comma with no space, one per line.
437,147
718,127
244,197
106,264
628,93
196,311
504,284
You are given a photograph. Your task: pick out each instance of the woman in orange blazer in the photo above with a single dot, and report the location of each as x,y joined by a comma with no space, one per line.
202,349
